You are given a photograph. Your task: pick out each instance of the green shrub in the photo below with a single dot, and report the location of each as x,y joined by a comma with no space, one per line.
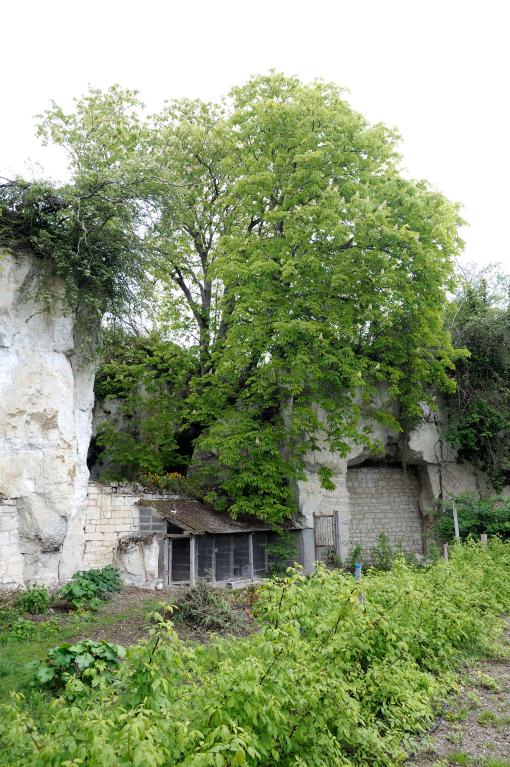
21,630
87,588
80,593
476,515
356,555
382,555
86,660
329,679
281,552
35,600
106,581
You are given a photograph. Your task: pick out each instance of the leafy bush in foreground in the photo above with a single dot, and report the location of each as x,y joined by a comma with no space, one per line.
36,600
328,680
87,588
86,659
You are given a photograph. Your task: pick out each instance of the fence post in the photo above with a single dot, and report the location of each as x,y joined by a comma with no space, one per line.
445,551
192,561
456,522
483,539
250,556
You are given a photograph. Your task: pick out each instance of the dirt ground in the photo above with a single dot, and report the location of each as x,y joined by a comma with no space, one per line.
475,727
127,616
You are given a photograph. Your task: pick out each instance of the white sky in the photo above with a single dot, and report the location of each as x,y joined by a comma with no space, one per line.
437,71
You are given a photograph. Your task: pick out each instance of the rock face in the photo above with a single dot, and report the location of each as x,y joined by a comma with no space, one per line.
46,399
391,492
137,561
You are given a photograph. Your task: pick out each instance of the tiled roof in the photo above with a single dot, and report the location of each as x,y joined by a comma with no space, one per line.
197,518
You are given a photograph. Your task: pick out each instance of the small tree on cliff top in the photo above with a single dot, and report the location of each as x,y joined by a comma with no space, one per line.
294,259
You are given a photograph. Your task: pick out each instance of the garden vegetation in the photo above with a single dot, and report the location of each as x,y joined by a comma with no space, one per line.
339,673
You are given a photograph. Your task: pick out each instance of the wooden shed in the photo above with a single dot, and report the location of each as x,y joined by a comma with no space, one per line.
198,543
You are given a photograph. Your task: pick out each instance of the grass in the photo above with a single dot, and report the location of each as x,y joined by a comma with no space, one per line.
490,719
16,655
459,757
464,760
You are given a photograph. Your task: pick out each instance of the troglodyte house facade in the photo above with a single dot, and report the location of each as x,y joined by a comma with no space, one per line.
53,521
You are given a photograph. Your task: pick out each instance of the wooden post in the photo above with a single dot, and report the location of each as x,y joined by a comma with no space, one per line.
456,522
338,541
232,544
250,556
483,539
192,561
213,561
170,552
445,551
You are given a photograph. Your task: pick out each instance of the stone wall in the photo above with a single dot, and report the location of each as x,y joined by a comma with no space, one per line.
110,514
385,499
46,397
118,532
363,505
11,560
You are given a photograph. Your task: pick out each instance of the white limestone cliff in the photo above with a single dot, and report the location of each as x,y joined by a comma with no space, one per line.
46,399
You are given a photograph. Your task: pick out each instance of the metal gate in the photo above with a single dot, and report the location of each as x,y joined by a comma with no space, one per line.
325,537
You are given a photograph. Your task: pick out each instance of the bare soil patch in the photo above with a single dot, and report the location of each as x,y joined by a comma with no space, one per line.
475,727
123,618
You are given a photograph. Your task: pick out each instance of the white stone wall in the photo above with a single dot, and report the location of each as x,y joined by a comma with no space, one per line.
11,561
110,514
46,398
363,510
385,500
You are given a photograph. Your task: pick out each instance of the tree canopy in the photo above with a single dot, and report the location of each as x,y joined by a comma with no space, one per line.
479,319
298,267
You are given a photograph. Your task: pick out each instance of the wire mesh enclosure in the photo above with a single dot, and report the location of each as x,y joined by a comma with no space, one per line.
220,557
198,543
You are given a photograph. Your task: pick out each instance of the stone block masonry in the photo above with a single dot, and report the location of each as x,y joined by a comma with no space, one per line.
385,499
111,513
11,561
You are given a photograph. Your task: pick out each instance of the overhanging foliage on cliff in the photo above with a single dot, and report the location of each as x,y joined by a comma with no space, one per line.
80,236
293,260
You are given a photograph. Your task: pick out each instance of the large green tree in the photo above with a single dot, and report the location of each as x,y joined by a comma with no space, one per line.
479,320
303,271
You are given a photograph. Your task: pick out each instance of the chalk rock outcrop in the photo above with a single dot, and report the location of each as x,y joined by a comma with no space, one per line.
136,558
392,491
46,399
